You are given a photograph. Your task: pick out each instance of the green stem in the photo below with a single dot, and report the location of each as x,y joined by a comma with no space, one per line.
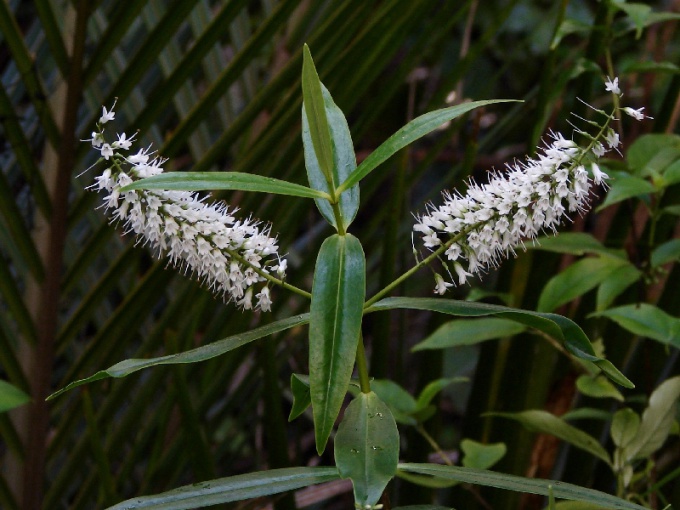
339,220
362,368
435,446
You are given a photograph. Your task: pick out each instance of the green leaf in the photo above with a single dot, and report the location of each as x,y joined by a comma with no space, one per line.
573,243
336,311
598,387
657,420
567,27
481,456
299,385
434,387
666,252
587,413
423,507
233,488
638,13
202,353
625,426
520,484
576,280
315,113
625,187
367,447
11,397
558,327
400,401
431,482
646,320
415,129
197,181
344,162
541,421
469,332
616,282
578,505
646,148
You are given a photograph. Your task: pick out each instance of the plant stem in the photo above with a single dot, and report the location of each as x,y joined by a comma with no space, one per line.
421,430
364,381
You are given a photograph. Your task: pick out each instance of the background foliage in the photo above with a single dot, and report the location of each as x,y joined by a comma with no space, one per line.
215,86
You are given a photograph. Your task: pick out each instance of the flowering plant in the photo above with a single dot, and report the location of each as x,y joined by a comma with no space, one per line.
469,234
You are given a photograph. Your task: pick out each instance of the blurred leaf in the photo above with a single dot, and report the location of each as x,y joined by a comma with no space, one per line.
234,488
646,320
647,147
197,181
638,13
335,315
11,397
598,387
434,387
481,456
431,482
624,187
400,401
415,129
578,505
665,253
616,282
574,243
520,484
469,332
558,327
657,420
299,385
546,423
567,27
576,280
625,426
650,67
367,447
587,413
202,353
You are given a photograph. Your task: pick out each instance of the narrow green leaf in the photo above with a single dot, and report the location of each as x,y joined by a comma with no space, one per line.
646,320
335,315
558,327
520,484
469,332
638,14
666,252
415,129
576,280
541,421
625,187
367,447
315,113
598,387
299,385
481,456
578,505
616,282
657,420
11,397
202,353
573,243
344,162
434,387
431,482
587,413
233,488
196,181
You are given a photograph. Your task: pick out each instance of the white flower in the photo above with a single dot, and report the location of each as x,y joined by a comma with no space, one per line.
636,114
598,175
612,139
612,86
198,237
599,150
107,115
440,284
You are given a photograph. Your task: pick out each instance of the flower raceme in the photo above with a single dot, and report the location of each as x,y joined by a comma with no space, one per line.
475,231
230,256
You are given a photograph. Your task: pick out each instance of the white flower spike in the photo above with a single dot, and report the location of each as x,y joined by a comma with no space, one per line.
229,256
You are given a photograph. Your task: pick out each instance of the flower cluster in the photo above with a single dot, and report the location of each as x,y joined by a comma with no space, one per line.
230,256
476,231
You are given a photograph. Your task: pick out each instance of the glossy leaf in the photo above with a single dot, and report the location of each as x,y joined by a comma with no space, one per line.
646,320
299,385
197,181
233,488
576,280
202,353
520,484
469,332
546,423
657,420
367,447
336,310
11,397
415,129
558,327
343,162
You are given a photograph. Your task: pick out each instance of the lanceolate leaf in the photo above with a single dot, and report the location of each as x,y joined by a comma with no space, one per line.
367,447
646,320
202,353
469,332
520,484
196,181
234,488
415,129
335,324
546,423
343,162
558,327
